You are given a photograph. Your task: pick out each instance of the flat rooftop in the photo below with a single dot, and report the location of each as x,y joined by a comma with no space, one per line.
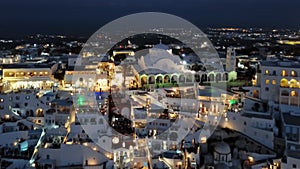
291,119
288,64
26,66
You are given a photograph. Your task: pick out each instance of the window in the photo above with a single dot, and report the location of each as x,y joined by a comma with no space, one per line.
267,72
27,97
267,89
1,100
93,120
274,82
284,73
293,73
294,166
294,93
267,81
245,123
17,97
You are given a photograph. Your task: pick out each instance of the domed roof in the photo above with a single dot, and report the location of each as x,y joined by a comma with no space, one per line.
222,148
161,46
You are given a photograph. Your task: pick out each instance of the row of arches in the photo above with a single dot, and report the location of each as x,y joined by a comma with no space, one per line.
293,83
283,73
182,78
289,97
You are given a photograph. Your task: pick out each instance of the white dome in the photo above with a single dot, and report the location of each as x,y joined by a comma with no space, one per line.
222,148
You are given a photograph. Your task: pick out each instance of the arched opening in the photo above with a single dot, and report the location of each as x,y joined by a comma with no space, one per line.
189,78
225,77
204,78
284,83
39,113
294,98
294,93
218,77
267,72
167,79
255,93
197,78
284,97
284,93
284,73
151,79
293,83
31,113
143,80
211,77
181,79
159,79
294,73
174,79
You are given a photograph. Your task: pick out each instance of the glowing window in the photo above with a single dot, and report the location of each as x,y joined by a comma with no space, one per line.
267,81
283,73
284,83
293,83
273,82
293,93
293,73
267,72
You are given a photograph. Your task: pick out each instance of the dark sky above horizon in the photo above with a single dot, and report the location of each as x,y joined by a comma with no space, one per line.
84,17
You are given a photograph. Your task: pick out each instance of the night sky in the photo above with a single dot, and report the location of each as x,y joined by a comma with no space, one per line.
84,17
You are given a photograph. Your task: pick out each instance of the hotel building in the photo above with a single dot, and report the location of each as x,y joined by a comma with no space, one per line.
279,82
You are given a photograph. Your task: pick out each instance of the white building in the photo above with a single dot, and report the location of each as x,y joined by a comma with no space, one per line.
230,59
279,82
258,126
78,155
20,76
291,129
25,103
